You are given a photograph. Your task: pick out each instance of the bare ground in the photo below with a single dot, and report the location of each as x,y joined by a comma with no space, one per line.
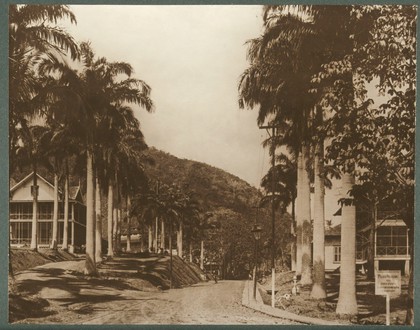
371,307
132,289
128,291
55,283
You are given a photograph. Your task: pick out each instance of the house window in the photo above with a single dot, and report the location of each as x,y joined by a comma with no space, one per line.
391,240
44,232
20,211
337,253
45,211
60,232
20,232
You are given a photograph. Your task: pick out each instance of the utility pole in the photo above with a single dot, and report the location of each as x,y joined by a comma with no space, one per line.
256,231
156,221
273,214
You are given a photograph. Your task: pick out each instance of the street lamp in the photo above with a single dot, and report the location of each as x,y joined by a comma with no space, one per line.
256,231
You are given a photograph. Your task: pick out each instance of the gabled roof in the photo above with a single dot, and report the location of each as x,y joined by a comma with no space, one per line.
27,178
73,191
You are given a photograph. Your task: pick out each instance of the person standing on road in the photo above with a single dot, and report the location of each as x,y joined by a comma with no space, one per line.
215,276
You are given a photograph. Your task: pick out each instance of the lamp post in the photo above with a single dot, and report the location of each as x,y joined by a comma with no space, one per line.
256,231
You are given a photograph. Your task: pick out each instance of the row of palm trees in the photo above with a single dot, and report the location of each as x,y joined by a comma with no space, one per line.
169,209
81,122
62,117
283,61
307,76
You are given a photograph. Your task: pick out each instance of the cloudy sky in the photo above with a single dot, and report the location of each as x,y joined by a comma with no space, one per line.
192,57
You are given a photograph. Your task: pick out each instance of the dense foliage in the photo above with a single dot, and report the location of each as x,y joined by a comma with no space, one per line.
231,203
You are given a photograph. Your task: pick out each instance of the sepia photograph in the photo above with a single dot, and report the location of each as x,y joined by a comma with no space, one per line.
211,164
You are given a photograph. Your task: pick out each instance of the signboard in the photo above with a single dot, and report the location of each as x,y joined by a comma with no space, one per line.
388,282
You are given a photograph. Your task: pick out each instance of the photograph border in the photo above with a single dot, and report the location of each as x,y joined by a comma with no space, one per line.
4,161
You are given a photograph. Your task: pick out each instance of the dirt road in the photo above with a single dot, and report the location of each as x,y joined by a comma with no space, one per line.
74,299
204,303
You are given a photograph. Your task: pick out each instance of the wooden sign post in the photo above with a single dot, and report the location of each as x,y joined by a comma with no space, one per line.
387,283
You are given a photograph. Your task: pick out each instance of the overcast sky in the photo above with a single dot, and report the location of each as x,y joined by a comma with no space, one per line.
192,57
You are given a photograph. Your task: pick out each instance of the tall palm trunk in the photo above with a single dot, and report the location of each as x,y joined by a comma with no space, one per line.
98,227
155,238
306,278
318,288
119,220
128,247
202,255
54,240
65,245
117,210
115,227
347,304
142,240
162,234
190,250
299,214
293,234
110,217
179,236
90,266
150,240
34,235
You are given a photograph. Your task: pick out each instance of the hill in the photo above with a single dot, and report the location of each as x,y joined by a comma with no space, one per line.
214,187
232,202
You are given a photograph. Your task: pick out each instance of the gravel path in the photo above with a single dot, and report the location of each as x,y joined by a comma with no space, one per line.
205,303
75,299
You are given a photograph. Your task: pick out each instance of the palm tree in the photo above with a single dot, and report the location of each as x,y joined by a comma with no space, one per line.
130,148
148,206
64,146
278,81
128,206
33,37
31,150
188,212
34,40
285,189
347,303
51,149
319,287
110,218
207,221
98,220
192,227
303,218
65,244
164,203
61,146
103,89
134,179
293,33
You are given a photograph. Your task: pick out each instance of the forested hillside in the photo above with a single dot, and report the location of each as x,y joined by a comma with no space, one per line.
232,203
215,187
230,200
